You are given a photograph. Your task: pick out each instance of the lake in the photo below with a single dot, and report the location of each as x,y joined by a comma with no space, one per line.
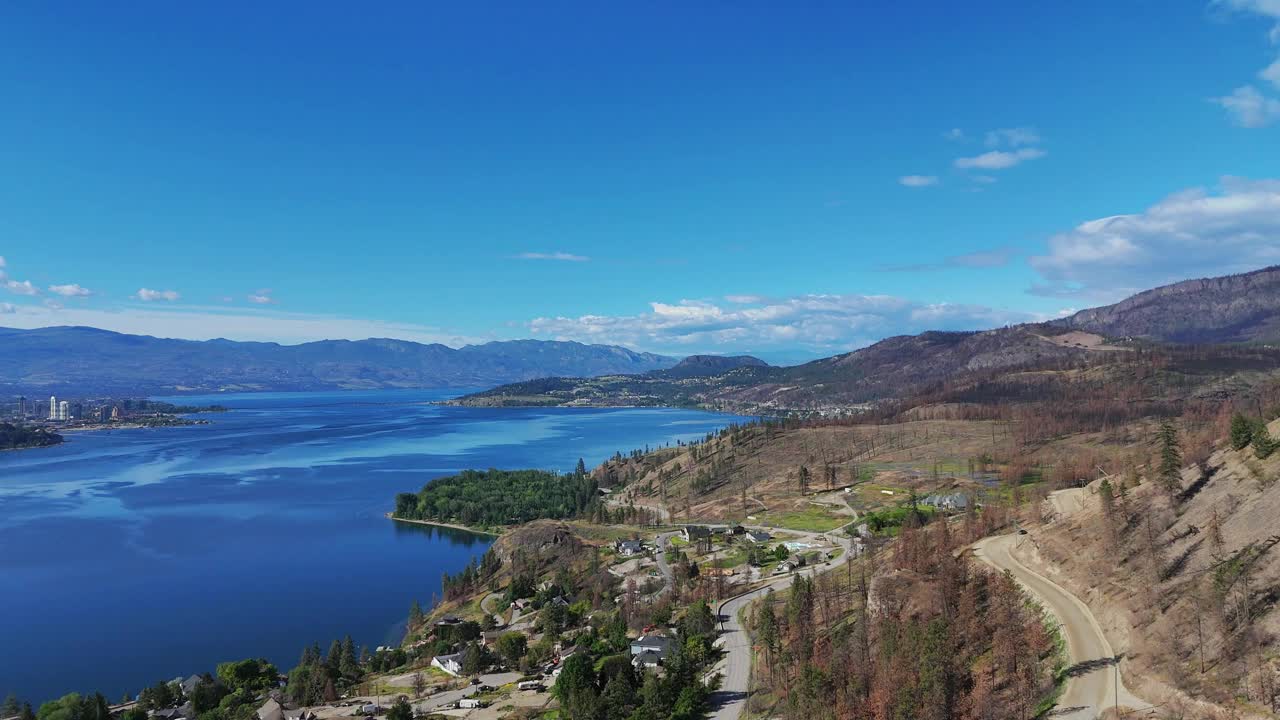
130,556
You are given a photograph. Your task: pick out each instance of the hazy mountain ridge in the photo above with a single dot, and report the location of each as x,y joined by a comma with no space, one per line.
1232,308
89,360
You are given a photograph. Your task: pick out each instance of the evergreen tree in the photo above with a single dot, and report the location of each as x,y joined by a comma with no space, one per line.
11,706
349,666
1242,429
415,615
1170,458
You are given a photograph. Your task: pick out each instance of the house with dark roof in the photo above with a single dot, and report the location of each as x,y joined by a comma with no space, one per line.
693,533
650,650
451,664
758,536
628,548
952,501
189,685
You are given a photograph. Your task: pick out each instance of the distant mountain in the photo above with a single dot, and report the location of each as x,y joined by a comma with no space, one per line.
86,360
703,365
1234,308
1220,314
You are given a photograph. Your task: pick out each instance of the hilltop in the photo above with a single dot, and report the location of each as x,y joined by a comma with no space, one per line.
1233,308
89,360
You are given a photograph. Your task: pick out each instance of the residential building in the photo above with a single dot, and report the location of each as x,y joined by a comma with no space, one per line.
53,407
628,548
451,664
693,533
650,650
63,407
758,536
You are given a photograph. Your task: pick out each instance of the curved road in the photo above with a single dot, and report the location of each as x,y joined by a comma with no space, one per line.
1093,684
730,701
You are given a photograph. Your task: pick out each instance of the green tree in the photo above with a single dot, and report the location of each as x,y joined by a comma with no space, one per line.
415,615
253,674
158,696
206,694
767,630
1242,429
575,688
401,710
512,646
1170,476
11,706
349,666
1263,444
26,713
475,659
698,620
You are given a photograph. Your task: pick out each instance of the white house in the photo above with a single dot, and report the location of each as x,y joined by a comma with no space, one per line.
451,664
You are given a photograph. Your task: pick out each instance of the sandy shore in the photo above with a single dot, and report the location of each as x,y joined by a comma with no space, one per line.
453,526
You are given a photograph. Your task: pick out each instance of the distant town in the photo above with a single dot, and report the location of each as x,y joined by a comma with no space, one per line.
33,422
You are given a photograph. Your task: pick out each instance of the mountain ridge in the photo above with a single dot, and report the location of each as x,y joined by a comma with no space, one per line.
92,360
1233,314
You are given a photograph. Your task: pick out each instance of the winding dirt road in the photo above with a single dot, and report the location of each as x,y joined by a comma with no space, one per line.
1093,684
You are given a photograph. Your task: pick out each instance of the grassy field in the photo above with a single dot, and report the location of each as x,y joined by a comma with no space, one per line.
810,519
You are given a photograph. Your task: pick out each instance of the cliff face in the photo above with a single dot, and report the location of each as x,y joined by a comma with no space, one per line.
1235,308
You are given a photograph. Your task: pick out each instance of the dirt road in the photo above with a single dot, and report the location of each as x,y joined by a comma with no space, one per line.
1093,683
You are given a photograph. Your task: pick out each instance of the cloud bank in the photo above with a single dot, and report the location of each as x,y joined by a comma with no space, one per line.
820,324
1194,233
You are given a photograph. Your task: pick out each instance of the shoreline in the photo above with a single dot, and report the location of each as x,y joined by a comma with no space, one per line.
434,523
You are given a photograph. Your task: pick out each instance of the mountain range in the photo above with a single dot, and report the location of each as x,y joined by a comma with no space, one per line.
1205,330
84,361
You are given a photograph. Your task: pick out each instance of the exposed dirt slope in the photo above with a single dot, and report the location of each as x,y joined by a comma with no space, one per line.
1186,587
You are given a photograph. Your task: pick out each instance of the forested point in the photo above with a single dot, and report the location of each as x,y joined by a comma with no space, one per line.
500,497
23,436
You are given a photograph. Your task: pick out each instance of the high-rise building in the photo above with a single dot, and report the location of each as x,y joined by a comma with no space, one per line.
62,410
53,407
22,407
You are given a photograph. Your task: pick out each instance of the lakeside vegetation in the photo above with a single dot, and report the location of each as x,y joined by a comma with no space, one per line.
486,498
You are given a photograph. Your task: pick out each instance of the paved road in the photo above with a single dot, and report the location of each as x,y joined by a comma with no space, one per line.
1094,686
664,567
730,701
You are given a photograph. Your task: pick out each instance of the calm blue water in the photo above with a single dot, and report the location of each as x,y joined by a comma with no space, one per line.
129,556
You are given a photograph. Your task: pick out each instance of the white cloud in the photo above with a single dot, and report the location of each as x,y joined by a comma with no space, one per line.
72,290
262,297
954,134
21,288
918,181
562,256
1012,137
1266,8
1271,73
149,295
8,308
1246,105
1194,233
983,179
745,299
1,261
999,159
1250,108
821,324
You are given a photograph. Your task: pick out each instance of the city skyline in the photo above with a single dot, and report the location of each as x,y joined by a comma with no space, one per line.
681,180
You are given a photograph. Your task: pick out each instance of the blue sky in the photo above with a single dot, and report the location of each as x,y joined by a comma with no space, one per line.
679,177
